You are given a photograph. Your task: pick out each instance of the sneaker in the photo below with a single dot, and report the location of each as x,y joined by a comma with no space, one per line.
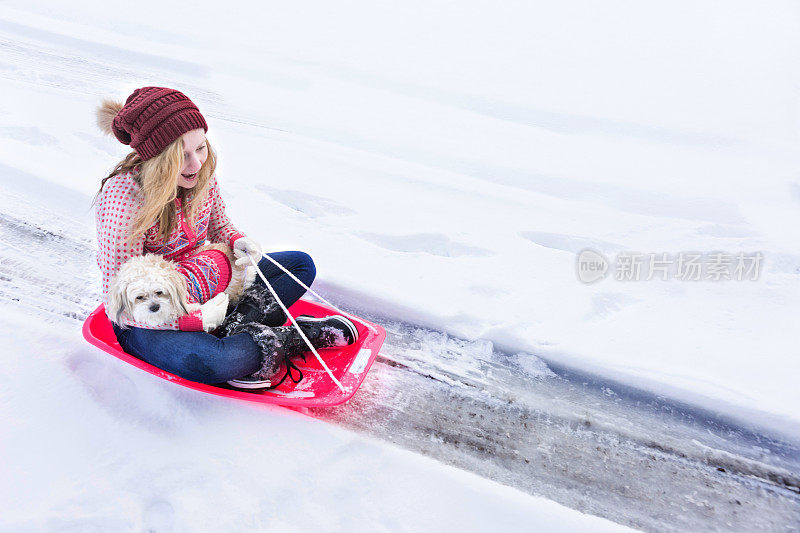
250,383
272,343
328,332
278,345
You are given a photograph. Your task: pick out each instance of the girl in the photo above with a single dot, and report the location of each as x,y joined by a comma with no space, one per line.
163,198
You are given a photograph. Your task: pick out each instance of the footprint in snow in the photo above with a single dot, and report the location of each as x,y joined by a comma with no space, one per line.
607,303
429,243
158,516
29,135
308,204
488,291
724,230
568,243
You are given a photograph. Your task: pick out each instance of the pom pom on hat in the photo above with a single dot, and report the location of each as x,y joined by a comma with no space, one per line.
106,113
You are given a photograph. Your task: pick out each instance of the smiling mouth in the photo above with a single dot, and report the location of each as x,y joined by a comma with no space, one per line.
189,176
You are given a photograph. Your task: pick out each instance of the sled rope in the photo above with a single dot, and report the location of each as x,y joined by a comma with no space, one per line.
312,291
294,322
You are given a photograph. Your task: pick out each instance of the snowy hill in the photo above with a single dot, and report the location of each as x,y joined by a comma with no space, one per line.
444,166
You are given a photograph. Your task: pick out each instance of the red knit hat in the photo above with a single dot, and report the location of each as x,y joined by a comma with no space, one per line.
153,117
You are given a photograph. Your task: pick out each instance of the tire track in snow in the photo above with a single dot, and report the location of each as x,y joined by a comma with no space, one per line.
639,462
44,263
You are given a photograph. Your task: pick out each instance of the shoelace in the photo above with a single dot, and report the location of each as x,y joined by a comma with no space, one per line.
289,367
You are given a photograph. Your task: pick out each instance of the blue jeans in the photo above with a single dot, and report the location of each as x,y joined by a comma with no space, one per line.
202,357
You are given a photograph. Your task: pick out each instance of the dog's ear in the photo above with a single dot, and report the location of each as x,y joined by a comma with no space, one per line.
177,291
118,300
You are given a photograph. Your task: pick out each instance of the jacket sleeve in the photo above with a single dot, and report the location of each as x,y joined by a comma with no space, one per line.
220,228
191,322
115,213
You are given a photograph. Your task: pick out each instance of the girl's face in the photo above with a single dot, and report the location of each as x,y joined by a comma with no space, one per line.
195,152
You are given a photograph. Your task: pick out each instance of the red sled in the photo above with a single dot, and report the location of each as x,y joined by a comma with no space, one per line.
349,364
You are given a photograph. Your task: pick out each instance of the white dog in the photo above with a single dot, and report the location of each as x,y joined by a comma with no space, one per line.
150,289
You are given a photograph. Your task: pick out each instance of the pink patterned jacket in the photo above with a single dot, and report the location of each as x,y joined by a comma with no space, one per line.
207,273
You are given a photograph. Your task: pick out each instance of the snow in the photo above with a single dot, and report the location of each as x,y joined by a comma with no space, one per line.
98,445
443,165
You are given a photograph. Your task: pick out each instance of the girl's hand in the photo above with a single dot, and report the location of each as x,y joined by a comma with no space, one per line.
246,246
213,311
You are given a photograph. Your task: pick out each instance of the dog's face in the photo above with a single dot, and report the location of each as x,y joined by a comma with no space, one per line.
150,302
149,290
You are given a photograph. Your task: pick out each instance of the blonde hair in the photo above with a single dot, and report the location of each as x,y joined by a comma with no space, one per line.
158,179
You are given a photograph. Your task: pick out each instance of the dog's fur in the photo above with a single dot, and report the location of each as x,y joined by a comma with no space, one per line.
149,281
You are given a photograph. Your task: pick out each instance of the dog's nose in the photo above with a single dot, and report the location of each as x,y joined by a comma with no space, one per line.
154,308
